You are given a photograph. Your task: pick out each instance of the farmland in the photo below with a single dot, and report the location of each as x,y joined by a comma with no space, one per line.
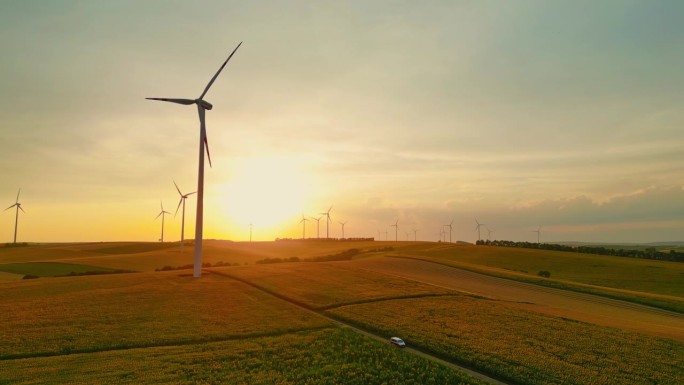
654,283
327,356
249,323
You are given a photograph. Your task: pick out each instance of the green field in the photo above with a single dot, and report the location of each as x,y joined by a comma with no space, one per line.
241,324
53,269
327,356
505,341
654,283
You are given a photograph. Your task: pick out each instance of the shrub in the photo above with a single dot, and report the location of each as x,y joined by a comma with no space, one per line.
544,273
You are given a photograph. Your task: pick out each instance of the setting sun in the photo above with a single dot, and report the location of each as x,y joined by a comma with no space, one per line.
265,191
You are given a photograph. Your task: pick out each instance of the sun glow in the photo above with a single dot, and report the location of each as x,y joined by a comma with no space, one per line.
266,192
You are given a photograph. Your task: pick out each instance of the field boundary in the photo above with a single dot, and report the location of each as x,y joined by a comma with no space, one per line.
372,333
182,342
665,305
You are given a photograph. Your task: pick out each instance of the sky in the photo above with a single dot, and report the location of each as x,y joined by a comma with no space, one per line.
564,115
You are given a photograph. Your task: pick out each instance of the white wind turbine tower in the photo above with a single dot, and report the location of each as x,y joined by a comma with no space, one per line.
450,228
478,228
327,222
183,197
342,223
303,222
538,231
396,230
162,213
318,226
16,216
202,107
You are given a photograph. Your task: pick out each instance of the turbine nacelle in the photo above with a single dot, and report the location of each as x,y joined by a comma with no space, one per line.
204,104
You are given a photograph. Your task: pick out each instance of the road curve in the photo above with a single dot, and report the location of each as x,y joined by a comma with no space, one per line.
578,306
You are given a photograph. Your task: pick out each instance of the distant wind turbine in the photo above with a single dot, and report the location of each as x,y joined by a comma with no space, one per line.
342,223
478,228
415,235
318,226
327,222
303,222
396,230
250,232
183,197
202,107
450,228
405,232
489,233
538,231
16,216
162,214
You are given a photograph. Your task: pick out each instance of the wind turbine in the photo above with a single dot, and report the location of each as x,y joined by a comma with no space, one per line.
183,197
16,216
250,232
303,222
318,226
342,223
405,232
489,233
202,107
327,222
396,230
478,228
162,213
449,226
415,235
538,231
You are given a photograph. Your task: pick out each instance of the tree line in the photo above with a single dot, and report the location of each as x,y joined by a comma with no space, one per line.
645,253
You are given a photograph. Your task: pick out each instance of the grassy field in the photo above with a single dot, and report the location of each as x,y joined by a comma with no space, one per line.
51,269
322,285
522,346
328,356
92,313
654,283
145,256
164,327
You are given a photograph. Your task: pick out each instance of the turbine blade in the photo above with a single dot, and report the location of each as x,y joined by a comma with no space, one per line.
9,207
18,192
179,192
185,102
155,218
218,72
206,145
20,208
179,204
194,192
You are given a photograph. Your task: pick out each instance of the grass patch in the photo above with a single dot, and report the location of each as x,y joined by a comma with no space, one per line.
327,356
519,345
323,285
56,269
58,316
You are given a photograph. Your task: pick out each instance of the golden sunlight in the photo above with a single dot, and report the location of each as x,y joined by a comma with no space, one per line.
265,191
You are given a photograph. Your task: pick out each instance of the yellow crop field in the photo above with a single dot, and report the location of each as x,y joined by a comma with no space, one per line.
520,345
329,356
148,256
91,313
321,285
